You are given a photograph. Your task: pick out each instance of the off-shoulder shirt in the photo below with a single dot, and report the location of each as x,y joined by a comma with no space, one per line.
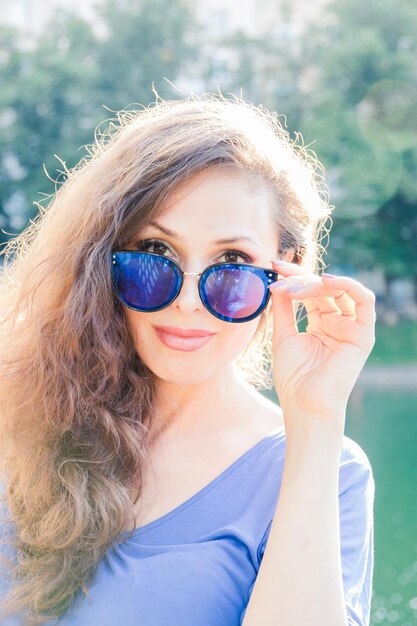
197,564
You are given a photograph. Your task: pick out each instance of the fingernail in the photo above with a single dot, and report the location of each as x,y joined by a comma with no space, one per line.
278,284
295,288
328,275
279,262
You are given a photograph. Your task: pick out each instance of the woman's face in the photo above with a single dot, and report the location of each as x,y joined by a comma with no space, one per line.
215,204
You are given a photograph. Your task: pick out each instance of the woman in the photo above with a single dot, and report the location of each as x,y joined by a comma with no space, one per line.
144,475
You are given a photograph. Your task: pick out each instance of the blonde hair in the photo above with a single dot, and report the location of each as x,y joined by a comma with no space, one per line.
76,401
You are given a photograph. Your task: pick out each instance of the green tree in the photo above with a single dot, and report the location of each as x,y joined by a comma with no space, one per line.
267,69
145,42
53,95
363,119
48,107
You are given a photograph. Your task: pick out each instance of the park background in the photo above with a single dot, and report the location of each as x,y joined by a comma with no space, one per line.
342,75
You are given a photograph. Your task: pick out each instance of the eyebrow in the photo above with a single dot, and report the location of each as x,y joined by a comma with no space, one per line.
226,240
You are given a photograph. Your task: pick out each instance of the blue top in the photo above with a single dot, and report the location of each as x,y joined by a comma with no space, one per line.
197,564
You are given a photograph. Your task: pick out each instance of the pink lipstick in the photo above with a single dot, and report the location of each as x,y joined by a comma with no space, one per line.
186,340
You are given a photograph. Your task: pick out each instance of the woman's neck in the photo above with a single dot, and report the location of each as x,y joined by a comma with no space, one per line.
188,410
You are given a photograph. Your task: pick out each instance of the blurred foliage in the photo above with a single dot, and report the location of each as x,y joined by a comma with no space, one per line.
53,95
146,41
364,118
47,108
347,81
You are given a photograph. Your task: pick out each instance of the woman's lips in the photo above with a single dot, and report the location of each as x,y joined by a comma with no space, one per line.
185,344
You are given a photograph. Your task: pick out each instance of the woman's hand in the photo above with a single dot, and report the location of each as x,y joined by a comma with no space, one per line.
314,371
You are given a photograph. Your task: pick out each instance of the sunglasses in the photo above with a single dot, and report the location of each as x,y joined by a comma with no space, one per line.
232,292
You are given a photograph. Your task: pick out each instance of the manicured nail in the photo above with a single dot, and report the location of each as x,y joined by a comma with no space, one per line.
279,262
278,284
328,275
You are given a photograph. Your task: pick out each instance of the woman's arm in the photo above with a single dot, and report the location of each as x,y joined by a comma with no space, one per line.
299,582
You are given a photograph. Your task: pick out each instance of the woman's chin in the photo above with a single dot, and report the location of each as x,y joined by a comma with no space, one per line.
180,370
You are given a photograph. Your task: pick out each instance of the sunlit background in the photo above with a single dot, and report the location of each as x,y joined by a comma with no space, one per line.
343,73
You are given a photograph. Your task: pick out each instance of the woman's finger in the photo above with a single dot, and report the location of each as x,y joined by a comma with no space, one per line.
355,299
289,269
345,304
351,297
284,322
321,305
363,298
295,275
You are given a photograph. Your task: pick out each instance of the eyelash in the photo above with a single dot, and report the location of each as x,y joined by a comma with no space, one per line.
142,244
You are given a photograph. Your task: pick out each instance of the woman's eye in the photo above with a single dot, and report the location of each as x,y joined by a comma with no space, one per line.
152,245
236,253
159,247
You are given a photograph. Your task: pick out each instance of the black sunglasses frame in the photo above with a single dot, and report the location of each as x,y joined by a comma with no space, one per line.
267,276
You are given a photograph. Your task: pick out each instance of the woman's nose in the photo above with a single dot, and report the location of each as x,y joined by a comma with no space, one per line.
188,299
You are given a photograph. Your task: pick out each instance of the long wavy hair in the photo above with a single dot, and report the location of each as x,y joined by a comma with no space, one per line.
76,401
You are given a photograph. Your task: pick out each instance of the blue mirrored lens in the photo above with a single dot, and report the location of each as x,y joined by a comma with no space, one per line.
145,281
234,292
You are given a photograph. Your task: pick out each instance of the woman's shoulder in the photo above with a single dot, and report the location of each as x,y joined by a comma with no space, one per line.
353,454
269,418
354,466
356,477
